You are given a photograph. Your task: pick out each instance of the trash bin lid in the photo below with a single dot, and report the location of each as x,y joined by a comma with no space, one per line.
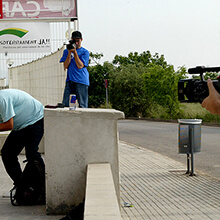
190,121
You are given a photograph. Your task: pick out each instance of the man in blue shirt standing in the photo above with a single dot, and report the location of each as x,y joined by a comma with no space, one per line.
76,61
24,115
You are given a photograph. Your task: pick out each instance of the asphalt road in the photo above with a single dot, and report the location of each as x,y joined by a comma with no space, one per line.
162,137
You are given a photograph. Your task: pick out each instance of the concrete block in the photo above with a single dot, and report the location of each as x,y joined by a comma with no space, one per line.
74,139
101,200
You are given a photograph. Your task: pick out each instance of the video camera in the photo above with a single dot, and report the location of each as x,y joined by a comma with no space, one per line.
71,45
196,90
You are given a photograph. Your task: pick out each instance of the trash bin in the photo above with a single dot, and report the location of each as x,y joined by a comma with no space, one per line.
189,134
189,140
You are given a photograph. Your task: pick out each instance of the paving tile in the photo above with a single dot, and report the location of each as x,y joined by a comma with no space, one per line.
158,187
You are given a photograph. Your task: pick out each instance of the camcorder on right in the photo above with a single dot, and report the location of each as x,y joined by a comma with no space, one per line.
196,90
71,45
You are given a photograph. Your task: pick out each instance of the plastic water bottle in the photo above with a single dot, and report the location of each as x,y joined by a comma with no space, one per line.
72,102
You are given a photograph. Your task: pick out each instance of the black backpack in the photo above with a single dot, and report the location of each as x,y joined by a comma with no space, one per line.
31,188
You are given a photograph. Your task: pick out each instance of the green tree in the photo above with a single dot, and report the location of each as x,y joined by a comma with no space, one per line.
137,59
97,75
211,75
138,84
95,58
181,72
161,88
208,75
127,91
142,81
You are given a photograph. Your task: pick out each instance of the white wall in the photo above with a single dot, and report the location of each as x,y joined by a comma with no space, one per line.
74,139
44,78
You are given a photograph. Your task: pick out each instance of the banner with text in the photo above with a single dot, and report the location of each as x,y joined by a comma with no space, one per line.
38,9
25,37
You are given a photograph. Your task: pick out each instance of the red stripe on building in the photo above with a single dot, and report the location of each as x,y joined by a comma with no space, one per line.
1,11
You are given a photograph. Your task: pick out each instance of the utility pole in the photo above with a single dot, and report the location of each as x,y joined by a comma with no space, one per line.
106,92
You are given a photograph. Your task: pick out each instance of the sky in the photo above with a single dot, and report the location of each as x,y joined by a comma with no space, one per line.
186,32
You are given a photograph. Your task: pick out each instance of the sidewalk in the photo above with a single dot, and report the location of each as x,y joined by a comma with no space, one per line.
158,188
154,185
9,212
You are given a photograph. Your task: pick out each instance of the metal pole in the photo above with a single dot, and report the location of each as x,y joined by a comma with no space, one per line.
76,26
191,149
106,92
106,97
188,171
69,31
192,166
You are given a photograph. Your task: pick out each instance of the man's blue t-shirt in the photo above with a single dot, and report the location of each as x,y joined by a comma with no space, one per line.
73,73
23,108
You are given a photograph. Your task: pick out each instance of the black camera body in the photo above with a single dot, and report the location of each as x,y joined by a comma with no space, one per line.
195,90
71,45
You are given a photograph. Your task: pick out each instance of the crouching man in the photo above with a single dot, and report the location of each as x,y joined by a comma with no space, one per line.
24,115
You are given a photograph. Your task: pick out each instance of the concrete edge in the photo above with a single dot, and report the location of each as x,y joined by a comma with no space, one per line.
101,200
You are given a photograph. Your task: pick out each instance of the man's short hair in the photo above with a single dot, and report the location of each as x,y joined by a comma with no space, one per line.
77,35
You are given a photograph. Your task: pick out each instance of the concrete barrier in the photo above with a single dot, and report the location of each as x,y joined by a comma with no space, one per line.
74,139
101,200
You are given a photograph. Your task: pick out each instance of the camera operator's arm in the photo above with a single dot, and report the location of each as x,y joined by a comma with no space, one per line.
79,63
212,102
66,63
8,125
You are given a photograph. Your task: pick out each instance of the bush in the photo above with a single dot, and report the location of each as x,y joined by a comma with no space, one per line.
127,90
195,110
97,91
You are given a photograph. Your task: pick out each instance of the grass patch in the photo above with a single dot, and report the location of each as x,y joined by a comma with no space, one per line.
195,110
187,111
